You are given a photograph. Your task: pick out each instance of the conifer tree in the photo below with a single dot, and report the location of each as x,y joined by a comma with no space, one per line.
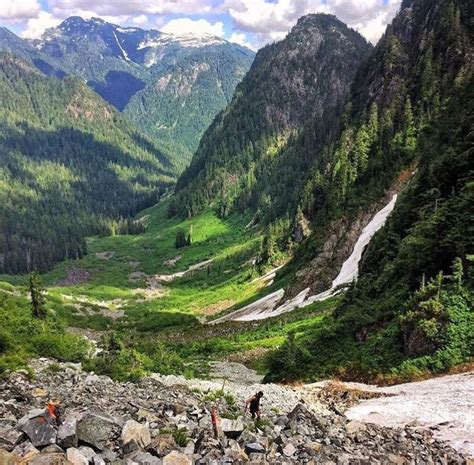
38,304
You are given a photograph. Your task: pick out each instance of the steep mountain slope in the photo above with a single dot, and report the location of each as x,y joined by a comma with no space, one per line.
170,86
70,166
242,161
411,310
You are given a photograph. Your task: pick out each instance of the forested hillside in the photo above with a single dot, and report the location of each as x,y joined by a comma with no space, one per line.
70,166
411,310
170,86
243,160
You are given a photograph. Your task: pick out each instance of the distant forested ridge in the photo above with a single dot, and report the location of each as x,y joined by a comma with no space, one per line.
70,166
243,161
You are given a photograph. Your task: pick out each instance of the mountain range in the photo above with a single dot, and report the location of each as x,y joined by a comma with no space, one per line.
170,86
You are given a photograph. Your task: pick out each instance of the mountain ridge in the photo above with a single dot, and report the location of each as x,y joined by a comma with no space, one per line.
290,82
125,66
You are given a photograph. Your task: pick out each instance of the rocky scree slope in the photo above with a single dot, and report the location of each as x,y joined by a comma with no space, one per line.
150,423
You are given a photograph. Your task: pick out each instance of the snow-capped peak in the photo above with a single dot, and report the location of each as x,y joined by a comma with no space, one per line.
184,40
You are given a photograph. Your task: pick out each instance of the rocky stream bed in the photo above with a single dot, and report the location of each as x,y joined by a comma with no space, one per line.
166,420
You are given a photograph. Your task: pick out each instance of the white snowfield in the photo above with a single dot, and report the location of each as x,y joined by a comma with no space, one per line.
266,307
444,404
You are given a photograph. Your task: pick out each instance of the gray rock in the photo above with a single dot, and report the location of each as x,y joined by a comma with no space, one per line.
25,451
38,427
162,445
232,428
289,450
76,457
67,433
355,427
135,436
145,458
49,459
10,436
98,460
254,448
87,452
53,449
96,430
177,458
108,455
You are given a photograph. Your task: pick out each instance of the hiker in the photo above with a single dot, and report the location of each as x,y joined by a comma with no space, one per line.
254,404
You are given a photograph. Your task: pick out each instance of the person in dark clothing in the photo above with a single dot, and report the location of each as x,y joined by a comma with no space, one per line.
254,404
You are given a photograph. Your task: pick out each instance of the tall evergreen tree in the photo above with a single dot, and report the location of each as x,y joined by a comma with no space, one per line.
38,303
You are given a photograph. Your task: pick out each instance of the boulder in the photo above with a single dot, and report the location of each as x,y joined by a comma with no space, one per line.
144,458
67,433
10,436
38,426
76,457
177,458
147,415
24,452
355,427
135,436
53,449
254,448
312,448
235,452
49,459
96,429
162,445
232,428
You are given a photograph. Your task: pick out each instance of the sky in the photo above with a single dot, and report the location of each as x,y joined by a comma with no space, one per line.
252,23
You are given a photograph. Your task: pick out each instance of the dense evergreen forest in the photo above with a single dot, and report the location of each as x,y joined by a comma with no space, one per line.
411,103
242,161
70,166
411,311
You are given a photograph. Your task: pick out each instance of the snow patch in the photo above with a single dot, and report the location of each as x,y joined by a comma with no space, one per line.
184,40
445,405
262,309
124,53
127,30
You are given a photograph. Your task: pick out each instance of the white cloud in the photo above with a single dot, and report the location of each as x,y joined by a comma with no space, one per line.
265,16
18,10
36,26
188,25
270,20
241,39
369,17
132,7
140,20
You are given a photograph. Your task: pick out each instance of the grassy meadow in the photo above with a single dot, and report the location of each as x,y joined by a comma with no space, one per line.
120,288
